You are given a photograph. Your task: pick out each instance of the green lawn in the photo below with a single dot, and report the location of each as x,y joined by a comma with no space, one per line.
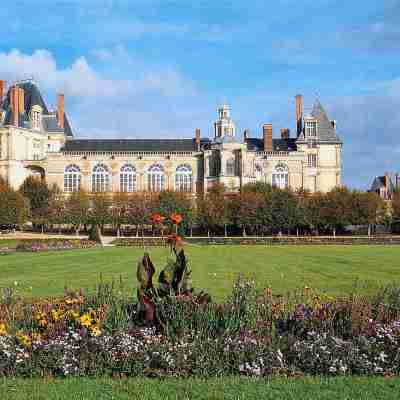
215,389
334,269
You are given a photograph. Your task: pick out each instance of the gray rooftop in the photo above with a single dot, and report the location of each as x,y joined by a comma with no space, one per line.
33,97
123,145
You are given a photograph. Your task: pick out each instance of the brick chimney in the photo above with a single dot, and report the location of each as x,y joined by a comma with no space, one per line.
285,133
21,100
197,139
299,114
2,90
15,105
267,137
387,180
60,111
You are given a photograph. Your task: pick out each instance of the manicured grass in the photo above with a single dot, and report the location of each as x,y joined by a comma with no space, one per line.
226,388
333,269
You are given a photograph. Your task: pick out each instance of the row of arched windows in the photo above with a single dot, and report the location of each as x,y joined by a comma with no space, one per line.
101,178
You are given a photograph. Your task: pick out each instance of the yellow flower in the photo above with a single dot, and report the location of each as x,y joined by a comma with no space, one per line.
85,320
42,322
24,339
96,331
56,315
3,329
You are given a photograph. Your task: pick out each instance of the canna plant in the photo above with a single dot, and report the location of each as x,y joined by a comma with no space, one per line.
174,282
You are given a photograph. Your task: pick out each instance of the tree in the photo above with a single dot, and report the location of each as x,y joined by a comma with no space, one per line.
247,210
119,210
169,203
14,208
337,209
214,209
100,210
283,209
77,207
365,206
39,195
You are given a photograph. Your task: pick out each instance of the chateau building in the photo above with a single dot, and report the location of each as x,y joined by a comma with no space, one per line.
37,140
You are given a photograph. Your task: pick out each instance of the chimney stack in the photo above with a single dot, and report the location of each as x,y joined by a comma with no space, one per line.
197,139
299,113
285,133
267,137
333,123
246,134
387,179
2,90
60,111
21,100
14,105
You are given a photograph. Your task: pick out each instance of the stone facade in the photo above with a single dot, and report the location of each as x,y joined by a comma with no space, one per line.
36,140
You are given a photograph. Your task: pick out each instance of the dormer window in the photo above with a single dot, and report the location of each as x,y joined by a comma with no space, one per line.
36,117
311,128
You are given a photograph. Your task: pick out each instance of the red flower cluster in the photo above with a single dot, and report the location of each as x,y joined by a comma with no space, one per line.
176,218
157,218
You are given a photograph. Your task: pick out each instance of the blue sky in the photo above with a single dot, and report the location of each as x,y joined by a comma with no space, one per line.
158,68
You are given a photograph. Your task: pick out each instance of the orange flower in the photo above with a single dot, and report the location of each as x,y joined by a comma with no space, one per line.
157,218
176,218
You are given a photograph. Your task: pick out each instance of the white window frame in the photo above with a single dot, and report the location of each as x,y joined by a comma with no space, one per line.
280,176
100,178
184,178
156,178
127,178
72,178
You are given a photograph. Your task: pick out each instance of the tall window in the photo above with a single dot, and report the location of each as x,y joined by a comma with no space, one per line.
257,168
311,128
312,161
36,116
100,179
280,176
72,178
183,178
156,178
230,167
127,178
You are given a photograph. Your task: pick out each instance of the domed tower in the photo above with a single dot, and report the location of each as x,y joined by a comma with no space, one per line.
224,126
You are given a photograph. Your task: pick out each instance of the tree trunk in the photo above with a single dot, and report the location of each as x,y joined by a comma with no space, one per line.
369,230
334,232
118,232
42,229
191,231
225,232
297,232
137,230
244,231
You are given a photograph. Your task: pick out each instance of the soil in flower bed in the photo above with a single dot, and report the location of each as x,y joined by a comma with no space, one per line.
196,389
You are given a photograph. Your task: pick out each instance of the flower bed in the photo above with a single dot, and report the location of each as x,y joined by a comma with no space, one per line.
255,334
34,245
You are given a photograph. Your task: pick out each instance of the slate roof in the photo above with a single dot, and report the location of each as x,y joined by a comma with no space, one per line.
325,129
379,182
33,97
256,144
122,145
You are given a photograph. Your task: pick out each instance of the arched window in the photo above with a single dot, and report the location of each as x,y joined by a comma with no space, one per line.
183,178
100,179
127,178
280,176
156,178
72,178
230,167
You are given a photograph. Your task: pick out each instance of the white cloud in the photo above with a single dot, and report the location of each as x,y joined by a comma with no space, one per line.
128,98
